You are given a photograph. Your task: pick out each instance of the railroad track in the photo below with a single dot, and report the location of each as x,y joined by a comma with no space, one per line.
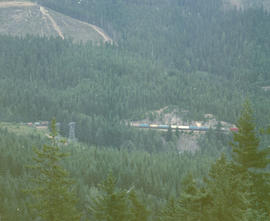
179,127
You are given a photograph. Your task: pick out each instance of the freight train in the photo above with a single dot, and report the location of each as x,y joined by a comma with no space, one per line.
177,127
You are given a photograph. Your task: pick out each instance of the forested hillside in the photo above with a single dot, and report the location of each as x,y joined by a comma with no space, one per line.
99,87
89,166
195,56
188,35
191,56
43,178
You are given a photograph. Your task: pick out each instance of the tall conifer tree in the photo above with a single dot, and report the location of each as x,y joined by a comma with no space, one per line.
250,161
2,210
111,205
169,213
194,202
54,197
138,210
228,200
246,153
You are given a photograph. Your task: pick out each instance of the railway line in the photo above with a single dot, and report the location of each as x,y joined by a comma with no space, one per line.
179,127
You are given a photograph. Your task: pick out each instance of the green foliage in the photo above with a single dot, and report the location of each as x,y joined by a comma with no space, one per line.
246,153
110,86
169,213
232,190
2,210
194,202
249,158
111,205
54,197
254,214
229,201
100,87
211,40
137,208
225,192
155,176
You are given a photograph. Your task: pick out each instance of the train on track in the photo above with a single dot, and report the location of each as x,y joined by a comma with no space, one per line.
181,128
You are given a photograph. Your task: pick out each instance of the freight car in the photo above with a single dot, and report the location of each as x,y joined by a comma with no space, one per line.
144,126
179,127
195,128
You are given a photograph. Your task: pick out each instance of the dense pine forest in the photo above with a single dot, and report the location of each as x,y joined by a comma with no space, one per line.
45,178
195,57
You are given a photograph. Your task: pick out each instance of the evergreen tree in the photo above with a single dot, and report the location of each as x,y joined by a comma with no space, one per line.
194,202
169,213
251,161
246,153
228,200
54,197
138,211
111,205
2,209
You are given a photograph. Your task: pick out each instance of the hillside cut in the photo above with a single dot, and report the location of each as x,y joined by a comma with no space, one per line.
27,18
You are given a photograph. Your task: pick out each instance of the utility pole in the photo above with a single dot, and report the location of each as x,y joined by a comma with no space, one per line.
71,136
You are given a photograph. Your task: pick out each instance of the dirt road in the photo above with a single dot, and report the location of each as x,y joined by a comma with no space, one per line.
55,26
105,37
102,33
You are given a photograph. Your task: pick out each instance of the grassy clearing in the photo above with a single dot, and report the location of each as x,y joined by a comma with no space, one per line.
23,130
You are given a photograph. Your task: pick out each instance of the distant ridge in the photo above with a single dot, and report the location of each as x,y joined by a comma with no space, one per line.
19,18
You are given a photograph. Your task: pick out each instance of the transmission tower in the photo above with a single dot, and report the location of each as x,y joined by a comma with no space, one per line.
71,136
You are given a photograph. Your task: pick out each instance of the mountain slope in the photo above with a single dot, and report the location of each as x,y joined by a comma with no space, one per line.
189,54
22,18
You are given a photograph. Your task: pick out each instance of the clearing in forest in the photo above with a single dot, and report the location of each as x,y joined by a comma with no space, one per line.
20,18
